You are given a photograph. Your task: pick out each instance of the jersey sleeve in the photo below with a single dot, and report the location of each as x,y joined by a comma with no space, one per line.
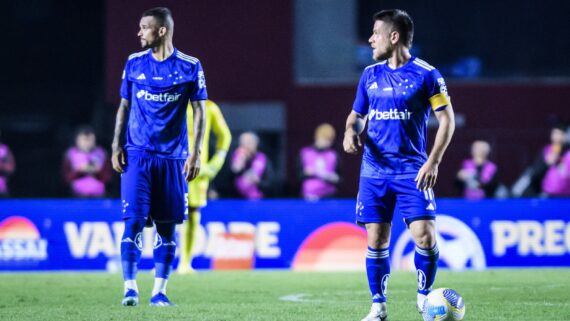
437,91
199,92
361,102
126,84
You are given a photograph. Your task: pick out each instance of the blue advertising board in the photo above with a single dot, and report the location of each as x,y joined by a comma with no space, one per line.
291,234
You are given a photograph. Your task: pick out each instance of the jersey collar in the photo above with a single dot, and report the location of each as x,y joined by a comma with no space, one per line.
388,69
151,58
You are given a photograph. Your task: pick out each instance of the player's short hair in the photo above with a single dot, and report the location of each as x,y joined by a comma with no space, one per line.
162,15
401,22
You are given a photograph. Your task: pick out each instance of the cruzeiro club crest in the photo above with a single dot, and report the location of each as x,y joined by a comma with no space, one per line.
383,287
421,280
459,247
137,241
384,284
157,241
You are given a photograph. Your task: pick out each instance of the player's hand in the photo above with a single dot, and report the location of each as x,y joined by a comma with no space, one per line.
119,159
191,167
427,176
351,142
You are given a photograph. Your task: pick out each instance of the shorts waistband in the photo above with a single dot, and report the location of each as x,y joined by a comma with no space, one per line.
150,154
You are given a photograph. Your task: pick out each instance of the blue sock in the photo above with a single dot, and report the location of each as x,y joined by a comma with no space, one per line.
378,272
426,267
164,249
131,247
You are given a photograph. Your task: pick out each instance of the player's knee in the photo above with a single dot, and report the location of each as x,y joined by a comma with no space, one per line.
423,233
426,242
425,239
378,236
381,243
133,226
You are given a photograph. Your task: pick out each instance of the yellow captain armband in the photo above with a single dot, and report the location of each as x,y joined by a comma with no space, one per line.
439,101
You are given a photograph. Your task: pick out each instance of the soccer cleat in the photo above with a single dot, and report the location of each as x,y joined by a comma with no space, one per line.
160,300
131,298
377,312
420,309
420,303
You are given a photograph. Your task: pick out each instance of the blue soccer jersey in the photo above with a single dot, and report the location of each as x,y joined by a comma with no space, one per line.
398,104
158,92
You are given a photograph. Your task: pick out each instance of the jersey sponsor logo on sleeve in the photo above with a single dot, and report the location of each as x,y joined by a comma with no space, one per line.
162,97
201,79
442,86
392,114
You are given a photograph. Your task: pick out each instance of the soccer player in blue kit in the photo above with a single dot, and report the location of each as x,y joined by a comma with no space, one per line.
396,96
150,147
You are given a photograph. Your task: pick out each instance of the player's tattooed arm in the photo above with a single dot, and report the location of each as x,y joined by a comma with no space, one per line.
427,176
354,126
192,164
118,158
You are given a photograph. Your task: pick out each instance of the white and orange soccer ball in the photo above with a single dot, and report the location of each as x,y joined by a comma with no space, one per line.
443,304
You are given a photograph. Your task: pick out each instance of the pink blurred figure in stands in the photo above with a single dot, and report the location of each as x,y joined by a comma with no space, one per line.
249,167
86,166
7,168
318,165
556,181
478,176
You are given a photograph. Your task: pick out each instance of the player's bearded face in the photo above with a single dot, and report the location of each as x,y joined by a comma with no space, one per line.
380,41
148,32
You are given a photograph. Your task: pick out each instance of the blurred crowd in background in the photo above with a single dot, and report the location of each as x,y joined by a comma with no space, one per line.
278,77
249,172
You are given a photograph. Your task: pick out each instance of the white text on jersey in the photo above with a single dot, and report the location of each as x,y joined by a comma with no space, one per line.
163,97
392,114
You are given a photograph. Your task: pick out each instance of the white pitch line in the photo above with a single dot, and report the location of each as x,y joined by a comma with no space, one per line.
308,298
300,297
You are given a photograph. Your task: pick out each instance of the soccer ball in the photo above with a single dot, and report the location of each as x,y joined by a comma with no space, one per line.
443,304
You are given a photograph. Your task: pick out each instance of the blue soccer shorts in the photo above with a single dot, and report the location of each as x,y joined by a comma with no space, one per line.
379,198
154,188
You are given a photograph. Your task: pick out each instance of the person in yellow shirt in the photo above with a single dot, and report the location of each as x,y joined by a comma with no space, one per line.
198,188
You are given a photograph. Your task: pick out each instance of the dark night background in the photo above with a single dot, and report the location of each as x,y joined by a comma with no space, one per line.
62,62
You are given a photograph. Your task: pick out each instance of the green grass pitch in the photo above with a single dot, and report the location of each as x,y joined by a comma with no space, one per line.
494,295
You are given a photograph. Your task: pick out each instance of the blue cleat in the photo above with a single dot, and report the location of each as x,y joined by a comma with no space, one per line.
131,298
160,300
